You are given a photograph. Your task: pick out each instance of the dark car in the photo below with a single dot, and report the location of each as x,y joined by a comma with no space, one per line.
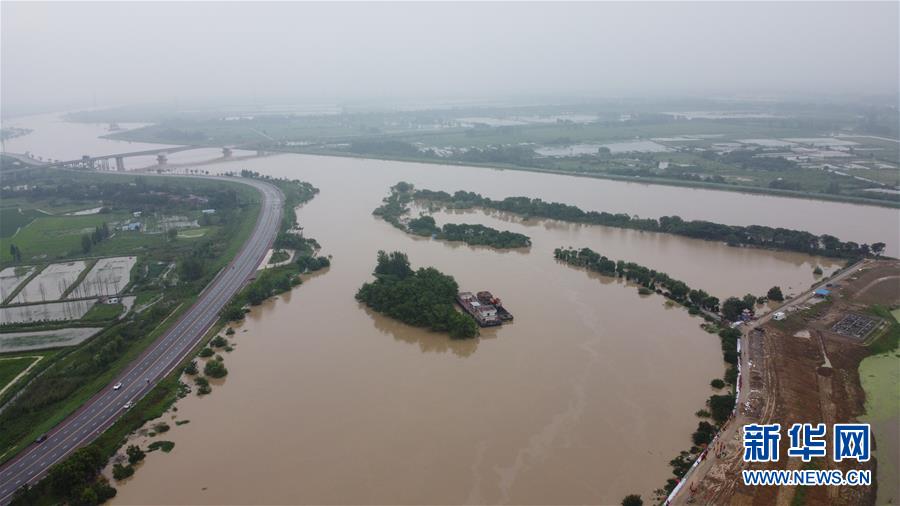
41,438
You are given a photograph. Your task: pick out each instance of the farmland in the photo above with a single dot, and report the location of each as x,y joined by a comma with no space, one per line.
785,148
12,342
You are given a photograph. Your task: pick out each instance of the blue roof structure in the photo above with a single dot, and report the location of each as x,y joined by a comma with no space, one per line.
821,292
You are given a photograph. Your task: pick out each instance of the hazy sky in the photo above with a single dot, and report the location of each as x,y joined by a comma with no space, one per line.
71,54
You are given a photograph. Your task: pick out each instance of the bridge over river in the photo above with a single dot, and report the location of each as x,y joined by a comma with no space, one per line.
105,162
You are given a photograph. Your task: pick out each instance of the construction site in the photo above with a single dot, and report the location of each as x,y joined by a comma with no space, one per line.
804,368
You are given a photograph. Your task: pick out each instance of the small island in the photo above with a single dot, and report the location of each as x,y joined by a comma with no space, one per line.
422,298
396,206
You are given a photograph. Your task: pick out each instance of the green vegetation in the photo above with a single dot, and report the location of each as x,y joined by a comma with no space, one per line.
191,368
74,375
203,387
215,369
121,472
704,434
775,294
697,301
754,235
125,199
395,206
12,367
278,256
632,500
649,279
540,137
135,454
103,312
889,339
13,218
165,446
721,406
423,298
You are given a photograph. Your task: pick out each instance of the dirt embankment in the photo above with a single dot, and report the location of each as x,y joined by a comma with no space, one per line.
804,371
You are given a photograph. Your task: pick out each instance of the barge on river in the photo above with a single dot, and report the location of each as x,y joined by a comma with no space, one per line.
487,310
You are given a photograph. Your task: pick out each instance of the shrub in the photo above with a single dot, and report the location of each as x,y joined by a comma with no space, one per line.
717,383
121,472
206,352
632,500
135,454
165,446
215,369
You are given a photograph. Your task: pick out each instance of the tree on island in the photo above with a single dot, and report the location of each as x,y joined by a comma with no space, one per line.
632,500
422,298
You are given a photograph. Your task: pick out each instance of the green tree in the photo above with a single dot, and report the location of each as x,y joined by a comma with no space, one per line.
135,454
172,234
215,369
67,477
775,294
191,269
86,244
394,264
632,500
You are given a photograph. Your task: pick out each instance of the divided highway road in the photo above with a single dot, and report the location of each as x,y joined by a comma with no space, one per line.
102,410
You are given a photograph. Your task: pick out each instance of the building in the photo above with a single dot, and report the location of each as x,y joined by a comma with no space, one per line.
821,292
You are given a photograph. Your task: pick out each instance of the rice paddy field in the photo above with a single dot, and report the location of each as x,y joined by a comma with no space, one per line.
11,277
109,276
51,283
12,342
51,311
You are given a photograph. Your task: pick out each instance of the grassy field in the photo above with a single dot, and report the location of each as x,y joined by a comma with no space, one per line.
10,367
20,431
103,312
53,237
14,218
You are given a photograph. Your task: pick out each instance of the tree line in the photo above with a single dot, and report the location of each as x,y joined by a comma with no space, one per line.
734,235
395,206
720,405
422,298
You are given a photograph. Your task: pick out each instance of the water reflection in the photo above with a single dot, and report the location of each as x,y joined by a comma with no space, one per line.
427,342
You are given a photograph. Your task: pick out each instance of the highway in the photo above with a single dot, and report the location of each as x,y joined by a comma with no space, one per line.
102,410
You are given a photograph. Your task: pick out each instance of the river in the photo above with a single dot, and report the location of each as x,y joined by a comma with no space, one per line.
583,399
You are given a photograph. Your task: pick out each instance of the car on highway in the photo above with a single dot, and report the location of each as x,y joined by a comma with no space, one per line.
128,405
117,386
41,438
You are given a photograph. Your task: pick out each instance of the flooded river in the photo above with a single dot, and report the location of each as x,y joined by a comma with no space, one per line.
583,399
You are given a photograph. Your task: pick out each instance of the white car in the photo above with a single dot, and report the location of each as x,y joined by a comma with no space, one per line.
117,386
127,405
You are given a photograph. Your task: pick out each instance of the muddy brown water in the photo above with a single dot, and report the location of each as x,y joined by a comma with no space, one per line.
583,399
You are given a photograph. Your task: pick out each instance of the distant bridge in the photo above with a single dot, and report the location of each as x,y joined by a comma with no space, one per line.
104,162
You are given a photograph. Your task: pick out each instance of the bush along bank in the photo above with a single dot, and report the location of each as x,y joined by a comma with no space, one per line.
752,236
719,407
395,207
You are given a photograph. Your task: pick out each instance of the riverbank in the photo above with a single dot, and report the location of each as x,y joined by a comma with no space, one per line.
893,204
801,368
